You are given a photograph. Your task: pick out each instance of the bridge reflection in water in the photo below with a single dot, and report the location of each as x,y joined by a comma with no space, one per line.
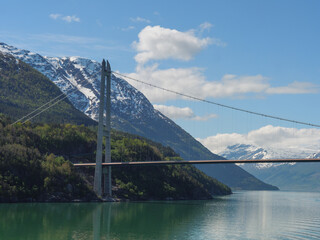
242,215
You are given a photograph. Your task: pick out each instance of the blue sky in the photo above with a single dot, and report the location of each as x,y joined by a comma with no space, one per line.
257,55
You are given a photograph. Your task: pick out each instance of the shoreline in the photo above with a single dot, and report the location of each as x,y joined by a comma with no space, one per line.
102,200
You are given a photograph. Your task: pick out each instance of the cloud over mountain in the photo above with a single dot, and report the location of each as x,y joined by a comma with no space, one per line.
158,43
174,112
274,137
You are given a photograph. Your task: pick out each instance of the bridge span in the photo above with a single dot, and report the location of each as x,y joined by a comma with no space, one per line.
151,163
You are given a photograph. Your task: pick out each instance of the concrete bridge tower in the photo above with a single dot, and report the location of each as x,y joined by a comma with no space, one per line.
105,88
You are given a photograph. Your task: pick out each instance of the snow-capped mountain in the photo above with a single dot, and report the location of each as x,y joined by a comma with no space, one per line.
314,155
80,79
246,151
287,176
131,111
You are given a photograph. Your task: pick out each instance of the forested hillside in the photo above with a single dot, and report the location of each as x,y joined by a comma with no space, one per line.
35,165
23,89
131,111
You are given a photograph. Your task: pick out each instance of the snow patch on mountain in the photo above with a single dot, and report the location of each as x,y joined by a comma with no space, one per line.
131,111
246,151
314,155
80,78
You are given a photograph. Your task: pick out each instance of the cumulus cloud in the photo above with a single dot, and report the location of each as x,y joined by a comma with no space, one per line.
182,113
233,85
69,19
156,43
175,112
191,81
185,80
272,137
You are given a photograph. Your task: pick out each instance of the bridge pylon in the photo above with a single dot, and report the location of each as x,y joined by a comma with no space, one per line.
107,171
105,103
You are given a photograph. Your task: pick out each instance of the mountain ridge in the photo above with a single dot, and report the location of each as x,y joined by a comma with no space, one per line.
20,97
287,176
131,111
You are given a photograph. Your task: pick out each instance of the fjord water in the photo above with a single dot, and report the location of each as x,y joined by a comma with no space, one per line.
242,215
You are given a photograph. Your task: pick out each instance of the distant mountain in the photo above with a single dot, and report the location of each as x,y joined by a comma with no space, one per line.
314,155
243,151
293,176
23,89
131,111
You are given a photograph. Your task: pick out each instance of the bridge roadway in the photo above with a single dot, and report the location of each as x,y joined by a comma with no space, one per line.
150,163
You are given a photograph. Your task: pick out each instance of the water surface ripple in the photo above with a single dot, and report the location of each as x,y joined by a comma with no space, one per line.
243,215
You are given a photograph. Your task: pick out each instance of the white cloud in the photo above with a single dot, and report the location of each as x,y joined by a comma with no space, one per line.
156,43
205,26
140,19
268,137
55,16
233,85
175,112
181,80
204,118
295,88
218,143
182,113
191,81
69,19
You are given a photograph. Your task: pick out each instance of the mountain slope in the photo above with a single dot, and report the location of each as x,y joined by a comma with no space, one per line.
23,89
131,111
35,166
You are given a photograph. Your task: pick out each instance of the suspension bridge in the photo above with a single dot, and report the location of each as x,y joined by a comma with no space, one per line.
102,175
144,163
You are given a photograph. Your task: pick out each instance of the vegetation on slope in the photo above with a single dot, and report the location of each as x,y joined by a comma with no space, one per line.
158,182
35,165
28,173
170,134
24,89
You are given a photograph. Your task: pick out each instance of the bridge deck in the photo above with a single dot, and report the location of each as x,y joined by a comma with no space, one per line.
198,162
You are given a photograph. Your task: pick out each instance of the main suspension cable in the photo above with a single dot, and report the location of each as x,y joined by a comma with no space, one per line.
47,103
19,120
215,103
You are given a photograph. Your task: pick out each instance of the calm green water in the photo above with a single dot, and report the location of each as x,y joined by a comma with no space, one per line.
243,215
